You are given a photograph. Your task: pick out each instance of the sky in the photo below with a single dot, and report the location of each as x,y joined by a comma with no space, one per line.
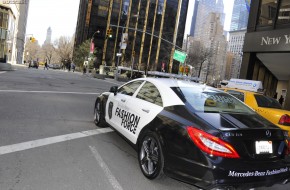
61,16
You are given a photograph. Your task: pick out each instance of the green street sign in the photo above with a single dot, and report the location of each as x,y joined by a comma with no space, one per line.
179,56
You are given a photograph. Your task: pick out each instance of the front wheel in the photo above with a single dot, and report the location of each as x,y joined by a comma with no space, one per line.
98,116
150,156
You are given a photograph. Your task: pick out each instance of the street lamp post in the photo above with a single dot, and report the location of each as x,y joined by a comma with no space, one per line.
119,54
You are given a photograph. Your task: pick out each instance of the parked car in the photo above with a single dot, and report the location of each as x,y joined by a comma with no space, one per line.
266,106
195,133
54,66
33,64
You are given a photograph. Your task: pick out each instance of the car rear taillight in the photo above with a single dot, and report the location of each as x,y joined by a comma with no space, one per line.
285,120
211,144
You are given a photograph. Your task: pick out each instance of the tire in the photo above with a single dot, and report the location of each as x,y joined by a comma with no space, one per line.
150,156
98,115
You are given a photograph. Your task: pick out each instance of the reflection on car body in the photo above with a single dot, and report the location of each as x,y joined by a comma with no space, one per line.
195,133
266,106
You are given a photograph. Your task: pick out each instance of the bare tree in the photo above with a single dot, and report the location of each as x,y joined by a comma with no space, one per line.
32,51
48,52
198,56
64,49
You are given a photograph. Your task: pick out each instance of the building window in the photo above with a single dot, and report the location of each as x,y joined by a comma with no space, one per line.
4,19
160,7
126,7
284,12
267,12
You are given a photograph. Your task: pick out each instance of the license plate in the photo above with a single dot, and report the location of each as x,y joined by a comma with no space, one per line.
264,147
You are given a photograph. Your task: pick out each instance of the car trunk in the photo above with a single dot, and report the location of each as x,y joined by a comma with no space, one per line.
253,137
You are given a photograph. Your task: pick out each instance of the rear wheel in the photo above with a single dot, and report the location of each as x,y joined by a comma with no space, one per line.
150,156
98,115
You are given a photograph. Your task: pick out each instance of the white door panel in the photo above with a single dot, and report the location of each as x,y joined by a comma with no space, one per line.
114,107
144,112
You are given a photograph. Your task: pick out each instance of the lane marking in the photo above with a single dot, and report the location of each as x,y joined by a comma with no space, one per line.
114,182
1,72
109,81
50,92
50,140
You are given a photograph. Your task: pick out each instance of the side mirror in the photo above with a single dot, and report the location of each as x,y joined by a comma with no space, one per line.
114,89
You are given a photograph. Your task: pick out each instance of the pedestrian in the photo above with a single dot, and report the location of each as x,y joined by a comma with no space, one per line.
73,67
281,100
84,67
275,95
45,65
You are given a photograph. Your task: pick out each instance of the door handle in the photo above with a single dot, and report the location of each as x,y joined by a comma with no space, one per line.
147,111
123,100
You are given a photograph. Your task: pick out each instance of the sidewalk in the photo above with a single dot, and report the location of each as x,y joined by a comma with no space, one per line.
5,67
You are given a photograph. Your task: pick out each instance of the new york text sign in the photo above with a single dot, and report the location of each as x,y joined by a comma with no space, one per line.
268,41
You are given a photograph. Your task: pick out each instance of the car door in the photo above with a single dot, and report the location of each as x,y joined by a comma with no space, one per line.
116,105
143,107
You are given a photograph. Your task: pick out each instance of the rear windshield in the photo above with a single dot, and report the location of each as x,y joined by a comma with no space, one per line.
267,102
211,100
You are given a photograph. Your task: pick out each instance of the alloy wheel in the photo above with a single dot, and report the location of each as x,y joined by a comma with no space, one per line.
149,158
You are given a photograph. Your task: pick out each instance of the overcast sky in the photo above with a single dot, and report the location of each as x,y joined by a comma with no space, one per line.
61,16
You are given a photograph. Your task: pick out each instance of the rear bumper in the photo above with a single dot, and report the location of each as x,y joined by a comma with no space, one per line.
229,173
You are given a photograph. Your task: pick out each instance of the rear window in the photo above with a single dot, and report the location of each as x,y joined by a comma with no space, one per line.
211,100
267,102
237,94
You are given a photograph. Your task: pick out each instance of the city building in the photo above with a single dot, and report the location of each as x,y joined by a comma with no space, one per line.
230,58
204,8
267,47
21,31
194,16
208,30
13,19
48,36
237,33
235,46
240,15
104,22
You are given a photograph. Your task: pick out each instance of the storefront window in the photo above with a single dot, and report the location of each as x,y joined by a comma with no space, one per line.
284,12
267,12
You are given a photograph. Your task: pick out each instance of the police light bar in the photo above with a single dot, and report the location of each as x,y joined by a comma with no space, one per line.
250,85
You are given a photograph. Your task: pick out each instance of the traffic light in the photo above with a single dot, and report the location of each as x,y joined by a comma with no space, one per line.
109,33
32,39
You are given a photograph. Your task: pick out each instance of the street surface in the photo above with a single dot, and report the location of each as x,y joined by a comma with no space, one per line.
48,140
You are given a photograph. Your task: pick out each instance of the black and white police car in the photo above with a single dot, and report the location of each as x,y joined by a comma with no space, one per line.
195,133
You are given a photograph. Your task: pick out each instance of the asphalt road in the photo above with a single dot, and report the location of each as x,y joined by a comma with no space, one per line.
48,140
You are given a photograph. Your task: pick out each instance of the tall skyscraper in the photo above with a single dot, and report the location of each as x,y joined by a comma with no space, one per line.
48,36
22,21
144,17
207,23
240,15
205,7
193,20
